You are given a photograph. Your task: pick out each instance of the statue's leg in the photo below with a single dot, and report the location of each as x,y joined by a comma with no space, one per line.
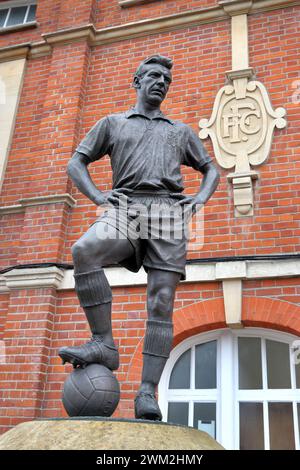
158,339
95,249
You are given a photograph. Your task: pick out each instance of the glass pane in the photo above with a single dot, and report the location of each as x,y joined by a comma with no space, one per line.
281,426
297,375
278,364
3,14
205,418
206,365
250,369
16,16
31,14
178,413
251,426
180,376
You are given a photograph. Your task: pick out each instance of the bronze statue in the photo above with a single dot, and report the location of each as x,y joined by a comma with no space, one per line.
146,149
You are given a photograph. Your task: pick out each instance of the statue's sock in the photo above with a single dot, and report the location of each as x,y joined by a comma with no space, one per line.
157,347
94,294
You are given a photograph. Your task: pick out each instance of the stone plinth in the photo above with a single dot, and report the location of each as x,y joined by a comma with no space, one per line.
104,434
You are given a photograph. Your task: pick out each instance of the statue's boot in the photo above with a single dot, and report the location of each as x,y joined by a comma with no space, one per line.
157,347
146,407
94,351
95,297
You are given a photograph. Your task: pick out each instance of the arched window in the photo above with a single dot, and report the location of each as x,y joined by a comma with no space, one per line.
240,386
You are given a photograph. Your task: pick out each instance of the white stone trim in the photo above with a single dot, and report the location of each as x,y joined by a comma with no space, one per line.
11,82
3,288
232,292
33,278
50,199
239,42
38,201
15,209
273,268
236,7
231,270
120,277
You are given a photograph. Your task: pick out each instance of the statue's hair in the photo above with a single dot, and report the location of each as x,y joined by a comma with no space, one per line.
153,59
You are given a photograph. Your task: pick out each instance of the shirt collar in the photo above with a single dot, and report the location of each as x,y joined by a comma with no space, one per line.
133,112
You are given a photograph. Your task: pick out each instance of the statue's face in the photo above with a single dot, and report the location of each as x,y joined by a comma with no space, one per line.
154,84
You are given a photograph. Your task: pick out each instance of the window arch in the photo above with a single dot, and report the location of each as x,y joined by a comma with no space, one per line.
240,386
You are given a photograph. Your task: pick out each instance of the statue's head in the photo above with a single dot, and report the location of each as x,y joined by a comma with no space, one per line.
153,78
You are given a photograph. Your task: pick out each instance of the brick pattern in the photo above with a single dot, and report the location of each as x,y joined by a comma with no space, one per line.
269,313
27,334
109,12
11,227
4,303
286,290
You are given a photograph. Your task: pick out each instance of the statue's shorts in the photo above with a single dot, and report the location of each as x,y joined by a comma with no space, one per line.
157,232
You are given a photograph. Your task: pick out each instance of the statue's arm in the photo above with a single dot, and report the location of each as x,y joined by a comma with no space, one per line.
78,171
197,157
209,183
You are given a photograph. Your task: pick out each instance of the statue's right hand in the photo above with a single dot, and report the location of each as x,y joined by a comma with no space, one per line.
112,197
101,199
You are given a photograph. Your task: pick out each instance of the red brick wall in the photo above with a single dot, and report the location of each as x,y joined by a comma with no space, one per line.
109,12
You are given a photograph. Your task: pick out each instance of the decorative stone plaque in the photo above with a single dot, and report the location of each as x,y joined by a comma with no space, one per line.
242,123
241,129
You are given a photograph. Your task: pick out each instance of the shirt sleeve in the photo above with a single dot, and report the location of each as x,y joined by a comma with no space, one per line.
96,143
195,154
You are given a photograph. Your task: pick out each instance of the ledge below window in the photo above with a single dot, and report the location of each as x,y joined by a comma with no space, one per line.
131,3
18,27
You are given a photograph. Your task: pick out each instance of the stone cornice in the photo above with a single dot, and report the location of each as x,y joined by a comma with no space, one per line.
33,278
51,199
236,7
71,35
140,28
19,27
61,279
19,51
37,201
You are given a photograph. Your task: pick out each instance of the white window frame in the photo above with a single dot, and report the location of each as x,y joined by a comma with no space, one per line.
13,4
227,396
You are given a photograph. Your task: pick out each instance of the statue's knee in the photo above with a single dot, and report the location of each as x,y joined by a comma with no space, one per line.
77,251
83,252
161,302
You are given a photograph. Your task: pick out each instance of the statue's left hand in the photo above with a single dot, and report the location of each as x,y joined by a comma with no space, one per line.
119,196
190,204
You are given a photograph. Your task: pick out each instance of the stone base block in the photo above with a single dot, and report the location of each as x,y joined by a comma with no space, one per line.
104,434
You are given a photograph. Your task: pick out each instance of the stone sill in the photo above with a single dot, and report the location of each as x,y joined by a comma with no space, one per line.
19,27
